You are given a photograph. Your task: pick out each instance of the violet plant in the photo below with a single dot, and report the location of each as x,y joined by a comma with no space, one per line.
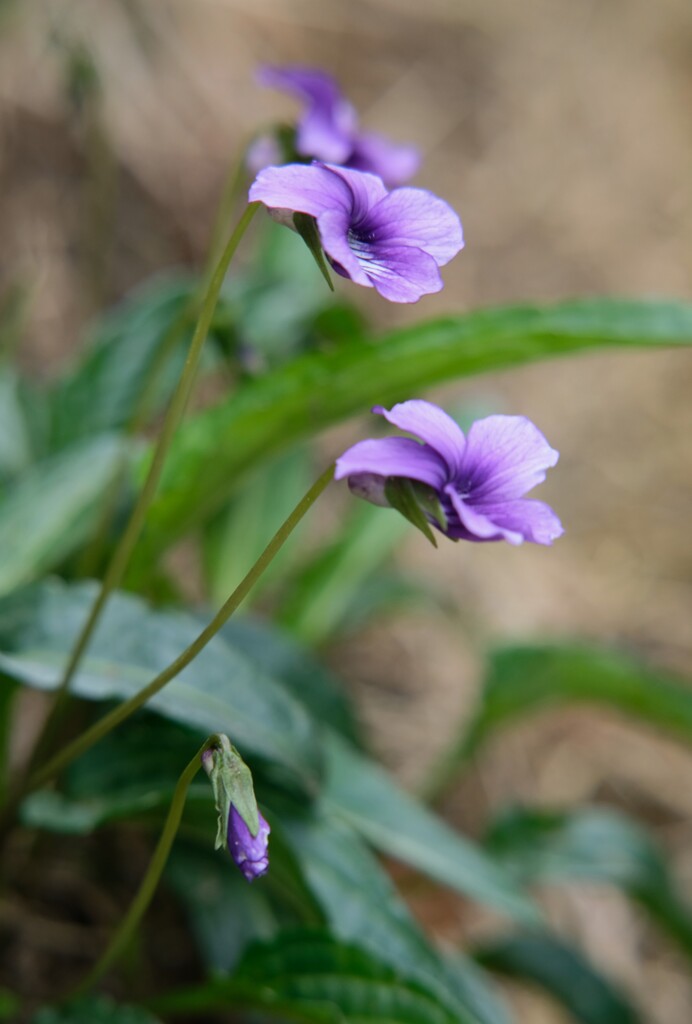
133,685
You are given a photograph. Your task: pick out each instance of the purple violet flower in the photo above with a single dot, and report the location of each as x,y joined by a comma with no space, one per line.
249,852
328,128
392,241
479,480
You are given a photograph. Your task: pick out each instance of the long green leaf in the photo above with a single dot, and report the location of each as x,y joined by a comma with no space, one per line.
220,691
361,793
322,388
94,1010
523,680
564,973
310,977
598,846
362,906
49,510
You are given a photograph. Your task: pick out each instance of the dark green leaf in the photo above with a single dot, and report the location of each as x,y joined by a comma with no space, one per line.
310,977
319,389
94,1010
363,906
51,508
221,690
361,793
564,973
593,845
308,681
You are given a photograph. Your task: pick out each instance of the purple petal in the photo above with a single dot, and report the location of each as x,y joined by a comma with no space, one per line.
249,852
533,520
392,162
476,524
432,425
333,227
393,456
367,190
412,216
311,189
327,127
505,457
400,273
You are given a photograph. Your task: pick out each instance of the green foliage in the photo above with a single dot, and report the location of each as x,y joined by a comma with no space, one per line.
220,691
308,976
94,1010
564,973
524,679
362,794
214,449
331,588
598,846
48,511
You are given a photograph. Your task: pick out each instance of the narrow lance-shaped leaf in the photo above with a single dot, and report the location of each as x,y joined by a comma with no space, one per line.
322,388
523,680
598,846
564,973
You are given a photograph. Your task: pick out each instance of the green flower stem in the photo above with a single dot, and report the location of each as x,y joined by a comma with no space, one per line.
151,879
123,552
99,729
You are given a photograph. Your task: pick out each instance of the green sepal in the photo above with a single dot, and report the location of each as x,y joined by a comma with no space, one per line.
231,782
306,226
413,499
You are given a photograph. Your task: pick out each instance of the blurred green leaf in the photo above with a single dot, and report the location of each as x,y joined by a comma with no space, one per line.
94,1010
319,599
221,691
214,449
226,913
309,977
363,906
138,347
277,654
51,508
360,792
564,973
526,679
236,538
16,447
597,846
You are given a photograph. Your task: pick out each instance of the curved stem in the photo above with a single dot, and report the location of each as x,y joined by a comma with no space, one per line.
151,879
104,725
121,555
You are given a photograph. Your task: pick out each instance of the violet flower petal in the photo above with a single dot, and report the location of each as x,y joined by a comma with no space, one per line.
432,425
414,216
505,457
480,525
303,188
394,162
400,273
333,227
329,122
393,456
249,852
534,520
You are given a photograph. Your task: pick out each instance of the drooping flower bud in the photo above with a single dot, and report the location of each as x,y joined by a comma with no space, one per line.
241,827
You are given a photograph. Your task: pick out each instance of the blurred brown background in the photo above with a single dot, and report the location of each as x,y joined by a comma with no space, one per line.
561,132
